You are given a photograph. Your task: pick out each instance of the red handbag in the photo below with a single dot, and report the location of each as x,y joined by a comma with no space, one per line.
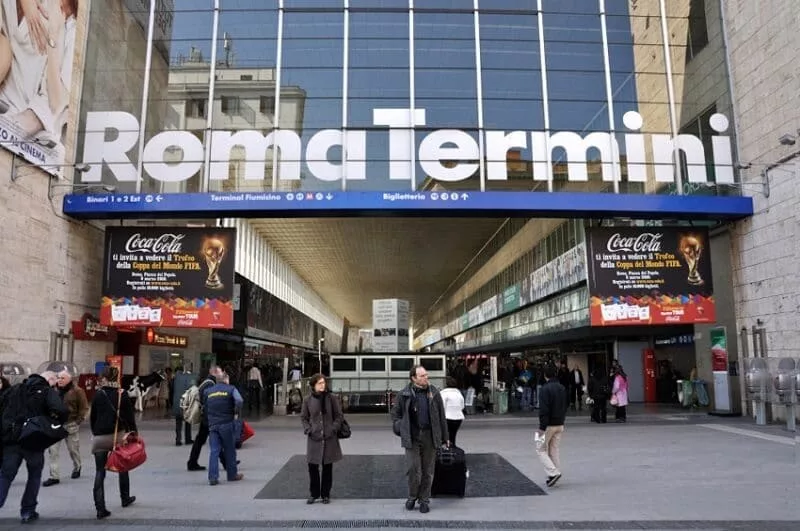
247,431
129,453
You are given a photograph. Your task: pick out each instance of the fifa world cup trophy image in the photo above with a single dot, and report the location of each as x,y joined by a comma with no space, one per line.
691,247
213,252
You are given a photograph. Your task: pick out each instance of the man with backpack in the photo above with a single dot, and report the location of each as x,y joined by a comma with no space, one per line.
35,397
195,409
181,383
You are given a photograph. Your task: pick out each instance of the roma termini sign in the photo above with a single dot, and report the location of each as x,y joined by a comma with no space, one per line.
112,136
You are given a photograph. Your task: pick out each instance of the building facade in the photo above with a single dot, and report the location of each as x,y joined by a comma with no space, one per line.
617,96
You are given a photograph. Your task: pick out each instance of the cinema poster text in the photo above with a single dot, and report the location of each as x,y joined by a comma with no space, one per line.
649,276
168,277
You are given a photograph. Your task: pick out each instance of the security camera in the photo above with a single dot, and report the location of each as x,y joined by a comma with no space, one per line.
82,167
788,139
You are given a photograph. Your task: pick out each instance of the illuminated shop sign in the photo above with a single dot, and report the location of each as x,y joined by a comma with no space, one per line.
112,136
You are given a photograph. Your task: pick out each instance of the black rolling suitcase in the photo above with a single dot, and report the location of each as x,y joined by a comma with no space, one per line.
450,476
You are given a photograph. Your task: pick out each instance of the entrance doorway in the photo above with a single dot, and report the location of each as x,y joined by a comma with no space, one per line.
127,345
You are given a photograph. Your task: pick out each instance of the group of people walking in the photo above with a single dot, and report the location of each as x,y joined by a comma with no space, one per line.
423,417
54,396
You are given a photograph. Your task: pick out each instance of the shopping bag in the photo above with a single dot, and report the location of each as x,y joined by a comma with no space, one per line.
247,431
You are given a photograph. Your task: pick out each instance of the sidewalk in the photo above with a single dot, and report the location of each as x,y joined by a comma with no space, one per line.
660,474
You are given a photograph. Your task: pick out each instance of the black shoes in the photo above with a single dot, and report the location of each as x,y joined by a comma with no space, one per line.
103,514
76,473
128,501
326,500
28,518
552,480
424,508
410,504
194,467
50,482
311,500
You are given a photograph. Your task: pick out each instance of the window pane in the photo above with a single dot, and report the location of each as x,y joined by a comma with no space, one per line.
373,364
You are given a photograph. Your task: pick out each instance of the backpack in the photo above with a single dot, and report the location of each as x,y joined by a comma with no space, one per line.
190,405
18,404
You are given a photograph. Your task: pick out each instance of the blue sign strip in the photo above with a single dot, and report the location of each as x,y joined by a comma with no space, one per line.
420,204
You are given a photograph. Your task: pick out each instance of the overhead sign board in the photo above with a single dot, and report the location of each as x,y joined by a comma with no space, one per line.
112,136
168,277
427,204
650,276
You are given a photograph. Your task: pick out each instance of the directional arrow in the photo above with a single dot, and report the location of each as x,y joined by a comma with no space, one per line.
464,196
329,196
159,199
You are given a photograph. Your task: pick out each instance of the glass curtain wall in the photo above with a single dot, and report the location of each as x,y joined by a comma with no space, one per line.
404,95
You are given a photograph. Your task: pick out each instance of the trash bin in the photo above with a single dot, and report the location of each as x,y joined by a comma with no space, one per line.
501,403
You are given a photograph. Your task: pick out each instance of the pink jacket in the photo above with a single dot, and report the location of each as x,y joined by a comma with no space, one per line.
620,390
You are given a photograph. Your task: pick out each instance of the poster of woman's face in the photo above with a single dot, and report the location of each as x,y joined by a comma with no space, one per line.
37,47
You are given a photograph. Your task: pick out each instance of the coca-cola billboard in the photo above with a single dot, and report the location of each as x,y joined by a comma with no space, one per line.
652,275
168,276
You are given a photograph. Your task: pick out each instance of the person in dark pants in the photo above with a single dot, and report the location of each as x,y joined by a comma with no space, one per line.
34,397
221,402
599,391
321,416
453,402
109,403
418,419
181,382
202,433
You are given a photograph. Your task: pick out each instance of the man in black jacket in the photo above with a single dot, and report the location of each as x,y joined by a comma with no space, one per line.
35,397
552,410
418,419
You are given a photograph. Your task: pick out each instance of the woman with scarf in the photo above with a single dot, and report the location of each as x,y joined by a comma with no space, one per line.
321,416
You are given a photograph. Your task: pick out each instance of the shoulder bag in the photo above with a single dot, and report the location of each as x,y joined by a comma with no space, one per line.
344,428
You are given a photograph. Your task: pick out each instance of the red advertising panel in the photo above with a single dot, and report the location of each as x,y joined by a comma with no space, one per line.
649,276
168,277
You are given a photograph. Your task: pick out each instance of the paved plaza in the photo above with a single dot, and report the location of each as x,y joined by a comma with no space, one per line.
661,470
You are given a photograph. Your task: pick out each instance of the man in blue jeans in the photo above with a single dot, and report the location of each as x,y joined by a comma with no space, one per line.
33,397
221,401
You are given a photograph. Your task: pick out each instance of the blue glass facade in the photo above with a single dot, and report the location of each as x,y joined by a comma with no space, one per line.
397,95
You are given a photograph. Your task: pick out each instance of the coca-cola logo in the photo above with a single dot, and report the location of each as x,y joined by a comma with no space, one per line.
166,243
646,242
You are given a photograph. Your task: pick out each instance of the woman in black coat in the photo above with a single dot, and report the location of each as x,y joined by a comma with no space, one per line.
103,420
321,416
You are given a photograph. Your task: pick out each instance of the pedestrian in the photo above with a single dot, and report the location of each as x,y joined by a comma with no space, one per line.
321,416
619,395
74,398
112,411
221,402
453,401
600,392
33,397
418,419
181,382
255,386
553,404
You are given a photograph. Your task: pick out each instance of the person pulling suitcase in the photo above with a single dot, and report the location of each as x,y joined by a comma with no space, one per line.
418,419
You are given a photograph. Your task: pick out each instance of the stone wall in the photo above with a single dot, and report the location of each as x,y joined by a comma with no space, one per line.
762,48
